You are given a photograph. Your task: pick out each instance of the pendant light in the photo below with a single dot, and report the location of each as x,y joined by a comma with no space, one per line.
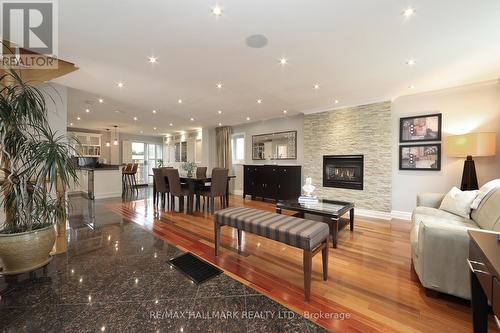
115,142
108,138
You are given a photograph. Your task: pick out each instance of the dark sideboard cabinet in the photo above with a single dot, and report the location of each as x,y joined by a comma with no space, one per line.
278,182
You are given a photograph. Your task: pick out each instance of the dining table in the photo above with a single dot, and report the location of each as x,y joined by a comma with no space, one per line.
192,183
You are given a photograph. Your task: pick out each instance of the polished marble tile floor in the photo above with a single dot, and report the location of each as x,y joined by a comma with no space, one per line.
115,277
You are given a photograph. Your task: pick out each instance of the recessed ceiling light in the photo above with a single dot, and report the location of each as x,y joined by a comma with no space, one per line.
219,112
192,119
70,124
87,110
220,124
219,85
120,84
153,60
135,118
316,86
259,101
411,62
78,118
179,101
411,86
154,128
142,132
217,11
154,111
248,118
336,101
285,111
408,12
283,61
171,124
101,100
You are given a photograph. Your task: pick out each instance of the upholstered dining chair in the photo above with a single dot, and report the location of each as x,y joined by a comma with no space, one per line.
161,185
176,190
201,172
218,188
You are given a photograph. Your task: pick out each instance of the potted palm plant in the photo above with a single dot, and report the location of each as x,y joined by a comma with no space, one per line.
35,168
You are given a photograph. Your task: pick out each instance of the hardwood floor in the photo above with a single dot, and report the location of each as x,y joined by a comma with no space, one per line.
371,285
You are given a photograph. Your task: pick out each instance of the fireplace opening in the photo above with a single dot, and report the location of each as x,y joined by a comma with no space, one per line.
343,171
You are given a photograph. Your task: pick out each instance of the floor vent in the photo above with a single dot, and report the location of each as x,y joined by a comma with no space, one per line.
196,269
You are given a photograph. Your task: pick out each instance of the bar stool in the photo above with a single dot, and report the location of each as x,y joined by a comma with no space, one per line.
129,175
125,170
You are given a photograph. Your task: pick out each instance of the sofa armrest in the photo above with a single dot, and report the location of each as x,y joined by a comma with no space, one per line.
444,249
428,199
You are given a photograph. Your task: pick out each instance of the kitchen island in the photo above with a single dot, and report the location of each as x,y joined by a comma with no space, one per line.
99,182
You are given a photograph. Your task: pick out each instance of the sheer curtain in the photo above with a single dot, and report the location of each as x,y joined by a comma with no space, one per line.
223,143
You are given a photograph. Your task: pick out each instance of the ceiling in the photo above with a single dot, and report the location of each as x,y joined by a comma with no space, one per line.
356,51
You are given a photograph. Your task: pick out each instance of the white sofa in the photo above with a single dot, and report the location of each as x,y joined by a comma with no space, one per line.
440,243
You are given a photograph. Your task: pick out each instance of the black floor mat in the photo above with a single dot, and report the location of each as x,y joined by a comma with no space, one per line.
196,269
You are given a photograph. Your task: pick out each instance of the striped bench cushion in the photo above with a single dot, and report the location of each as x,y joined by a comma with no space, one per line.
294,231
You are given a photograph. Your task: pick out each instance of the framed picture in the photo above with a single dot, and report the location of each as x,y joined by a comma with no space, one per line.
420,157
420,128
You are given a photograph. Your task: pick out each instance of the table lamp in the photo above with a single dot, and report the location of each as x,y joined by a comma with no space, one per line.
469,145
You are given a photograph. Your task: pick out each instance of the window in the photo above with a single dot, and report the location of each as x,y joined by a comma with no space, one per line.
184,146
181,151
146,156
178,152
238,146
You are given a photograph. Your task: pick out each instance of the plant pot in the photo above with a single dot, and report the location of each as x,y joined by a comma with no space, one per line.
27,251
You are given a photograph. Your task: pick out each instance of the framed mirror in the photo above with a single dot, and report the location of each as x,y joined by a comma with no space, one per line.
275,146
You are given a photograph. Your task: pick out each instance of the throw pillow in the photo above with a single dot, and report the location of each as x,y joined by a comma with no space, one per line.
483,192
458,202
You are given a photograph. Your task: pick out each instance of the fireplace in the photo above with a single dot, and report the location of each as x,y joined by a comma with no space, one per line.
343,171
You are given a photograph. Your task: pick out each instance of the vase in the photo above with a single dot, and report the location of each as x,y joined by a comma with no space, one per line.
190,173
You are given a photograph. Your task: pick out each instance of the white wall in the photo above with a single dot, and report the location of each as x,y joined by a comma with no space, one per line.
472,108
56,98
293,123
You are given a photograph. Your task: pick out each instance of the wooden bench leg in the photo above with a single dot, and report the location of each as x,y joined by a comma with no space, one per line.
307,274
217,238
324,255
239,240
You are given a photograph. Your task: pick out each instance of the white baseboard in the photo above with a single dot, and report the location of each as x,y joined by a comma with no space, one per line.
401,215
108,195
375,214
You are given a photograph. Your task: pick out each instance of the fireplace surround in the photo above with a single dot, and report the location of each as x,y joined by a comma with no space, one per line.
343,171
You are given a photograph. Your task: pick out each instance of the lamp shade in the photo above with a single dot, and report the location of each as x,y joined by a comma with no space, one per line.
472,144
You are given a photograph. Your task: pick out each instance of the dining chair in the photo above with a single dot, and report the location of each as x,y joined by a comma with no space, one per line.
176,190
201,172
161,186
218,188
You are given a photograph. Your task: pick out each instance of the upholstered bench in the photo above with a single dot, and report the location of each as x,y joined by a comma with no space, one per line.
310,236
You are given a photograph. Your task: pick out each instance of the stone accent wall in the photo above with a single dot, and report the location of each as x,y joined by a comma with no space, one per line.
365,130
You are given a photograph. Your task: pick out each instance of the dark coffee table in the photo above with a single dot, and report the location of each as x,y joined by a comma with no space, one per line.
328,211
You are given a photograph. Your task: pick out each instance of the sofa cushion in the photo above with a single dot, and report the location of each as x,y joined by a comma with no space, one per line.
458,202
487,216
438,213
